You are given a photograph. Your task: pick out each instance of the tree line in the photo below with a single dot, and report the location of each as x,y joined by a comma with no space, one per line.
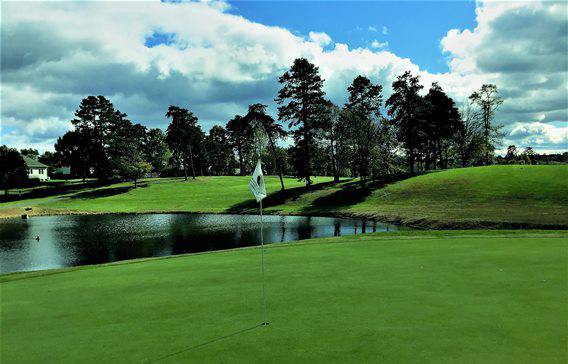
367,137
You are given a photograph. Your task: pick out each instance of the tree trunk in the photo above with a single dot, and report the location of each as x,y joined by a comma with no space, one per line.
191,160
307,159
486,133
276,160
411,162
185,171
463,159
135,183
334,166
307,127
240,152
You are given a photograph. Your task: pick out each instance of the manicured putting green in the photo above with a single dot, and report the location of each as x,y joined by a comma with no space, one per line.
399,297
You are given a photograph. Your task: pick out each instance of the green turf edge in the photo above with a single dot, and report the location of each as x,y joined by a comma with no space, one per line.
418,223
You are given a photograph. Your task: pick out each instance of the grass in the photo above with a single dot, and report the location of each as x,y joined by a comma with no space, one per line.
475,296
495,196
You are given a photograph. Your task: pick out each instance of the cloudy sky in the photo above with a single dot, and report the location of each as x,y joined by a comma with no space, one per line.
217,57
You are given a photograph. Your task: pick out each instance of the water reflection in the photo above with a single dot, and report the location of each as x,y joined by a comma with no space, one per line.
80,240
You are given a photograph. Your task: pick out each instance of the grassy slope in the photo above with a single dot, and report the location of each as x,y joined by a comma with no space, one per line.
460,197
518,194
414,297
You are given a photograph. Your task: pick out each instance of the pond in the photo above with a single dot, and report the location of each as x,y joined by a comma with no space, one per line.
91,239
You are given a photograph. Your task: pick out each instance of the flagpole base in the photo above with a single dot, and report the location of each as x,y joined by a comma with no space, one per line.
265,323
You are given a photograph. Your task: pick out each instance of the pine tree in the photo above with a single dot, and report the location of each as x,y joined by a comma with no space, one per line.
184,137
301,102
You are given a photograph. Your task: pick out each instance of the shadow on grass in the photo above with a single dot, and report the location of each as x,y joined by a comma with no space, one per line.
345,194
277,198
189,348
51,190
352,193
105,192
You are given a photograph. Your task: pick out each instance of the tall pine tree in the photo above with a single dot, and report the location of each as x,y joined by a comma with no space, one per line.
301,103
184,137
362,116
407,110
442,123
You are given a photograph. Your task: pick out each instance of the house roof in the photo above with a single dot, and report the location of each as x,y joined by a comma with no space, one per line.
32,163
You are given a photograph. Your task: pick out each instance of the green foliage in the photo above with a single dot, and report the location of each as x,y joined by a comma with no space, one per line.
74,150
50,159
512,153
442,124
126,152
301,103
241,138
156,149
219,156
131,165
365,98
184,137
30,152
261,122
363,130
95,120
13,170
407,110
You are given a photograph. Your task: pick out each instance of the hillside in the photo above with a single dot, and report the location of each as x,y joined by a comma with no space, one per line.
421,296
494,196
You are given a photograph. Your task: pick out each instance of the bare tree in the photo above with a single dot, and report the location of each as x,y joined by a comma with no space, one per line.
469,136
488,100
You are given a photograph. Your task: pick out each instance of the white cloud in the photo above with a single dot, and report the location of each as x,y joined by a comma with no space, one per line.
54,54
385,30
539,134
372,29
320,38
376,44
521,47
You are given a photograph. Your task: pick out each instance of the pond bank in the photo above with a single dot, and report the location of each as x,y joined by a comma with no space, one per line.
416,223
46,242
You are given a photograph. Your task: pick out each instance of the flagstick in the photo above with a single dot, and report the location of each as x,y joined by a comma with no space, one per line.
265,322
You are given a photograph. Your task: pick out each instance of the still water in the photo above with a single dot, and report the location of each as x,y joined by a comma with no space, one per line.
91,239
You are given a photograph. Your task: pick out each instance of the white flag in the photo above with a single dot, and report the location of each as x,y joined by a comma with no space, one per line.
256,183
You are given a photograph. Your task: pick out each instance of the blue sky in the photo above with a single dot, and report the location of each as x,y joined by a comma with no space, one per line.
414,28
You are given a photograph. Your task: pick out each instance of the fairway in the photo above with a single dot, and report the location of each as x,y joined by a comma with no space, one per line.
477,197
471,296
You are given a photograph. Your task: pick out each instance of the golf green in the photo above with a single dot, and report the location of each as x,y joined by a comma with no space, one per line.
472,296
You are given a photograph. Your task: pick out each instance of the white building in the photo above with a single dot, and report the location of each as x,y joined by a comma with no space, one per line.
36,170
